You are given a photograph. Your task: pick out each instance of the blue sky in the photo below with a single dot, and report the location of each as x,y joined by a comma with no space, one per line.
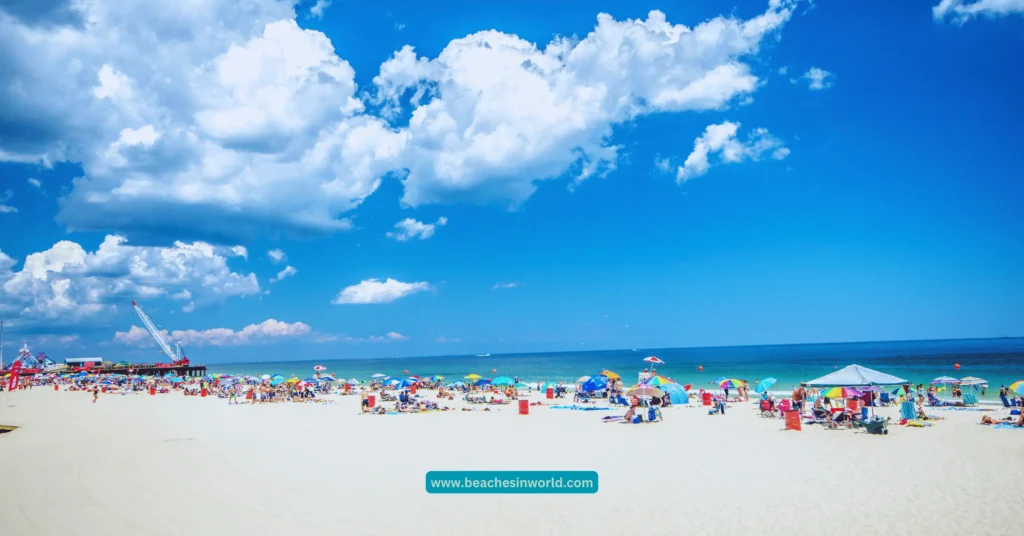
773,172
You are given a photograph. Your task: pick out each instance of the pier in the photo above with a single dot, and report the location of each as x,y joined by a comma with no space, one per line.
142,370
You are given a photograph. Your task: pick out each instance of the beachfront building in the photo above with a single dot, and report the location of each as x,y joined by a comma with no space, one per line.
83,361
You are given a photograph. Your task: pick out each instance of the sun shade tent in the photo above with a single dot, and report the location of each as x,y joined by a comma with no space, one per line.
856,376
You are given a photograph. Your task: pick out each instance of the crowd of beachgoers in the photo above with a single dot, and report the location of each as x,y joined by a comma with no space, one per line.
833,407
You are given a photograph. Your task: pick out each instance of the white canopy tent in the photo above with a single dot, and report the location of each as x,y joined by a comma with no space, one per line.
856,376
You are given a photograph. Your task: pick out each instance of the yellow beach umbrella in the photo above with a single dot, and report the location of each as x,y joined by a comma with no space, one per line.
473,377
610,375
292,380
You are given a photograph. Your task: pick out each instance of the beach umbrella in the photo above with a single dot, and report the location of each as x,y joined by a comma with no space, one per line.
292,380
595,383
481,383
841,392
353,381
946,380
730,383
610,375
319,368
583,379
548,385
644,390
436,378
657,381
653,359
972,381
473,377
502,380
457,384
265,377
1017,387
764,385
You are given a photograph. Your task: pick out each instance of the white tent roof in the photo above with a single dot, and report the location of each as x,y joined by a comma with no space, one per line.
856,376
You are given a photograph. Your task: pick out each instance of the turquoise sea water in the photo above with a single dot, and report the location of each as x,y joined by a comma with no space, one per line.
1000,361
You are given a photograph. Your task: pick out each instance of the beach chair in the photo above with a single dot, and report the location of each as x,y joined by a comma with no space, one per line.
970,399
766,408
932,401
885,400
908,411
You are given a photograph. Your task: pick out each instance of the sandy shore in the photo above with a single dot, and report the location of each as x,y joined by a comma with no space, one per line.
174,465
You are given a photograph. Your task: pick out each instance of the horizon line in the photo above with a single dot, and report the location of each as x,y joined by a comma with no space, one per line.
576,351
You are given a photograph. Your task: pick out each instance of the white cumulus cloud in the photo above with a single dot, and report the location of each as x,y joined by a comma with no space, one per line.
817,79
377,291
35,182
721,140
493,113
4,207
318,8
265,331
410,228
218,122
287,272
512,284
277,256
961,11
67,284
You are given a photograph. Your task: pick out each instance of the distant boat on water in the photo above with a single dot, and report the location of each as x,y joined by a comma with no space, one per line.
482,355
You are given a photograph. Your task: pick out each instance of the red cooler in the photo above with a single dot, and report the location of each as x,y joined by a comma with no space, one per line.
524,407
707,399
371,401
412,389
54,387
202,393
152,391
103,389
551,393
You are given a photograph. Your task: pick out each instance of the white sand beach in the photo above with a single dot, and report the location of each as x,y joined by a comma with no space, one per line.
174,465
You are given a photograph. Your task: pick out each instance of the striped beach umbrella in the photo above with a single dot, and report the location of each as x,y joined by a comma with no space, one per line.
1017,387
657,380
730,383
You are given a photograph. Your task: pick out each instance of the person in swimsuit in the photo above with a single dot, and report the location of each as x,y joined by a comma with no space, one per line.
365,397
95,394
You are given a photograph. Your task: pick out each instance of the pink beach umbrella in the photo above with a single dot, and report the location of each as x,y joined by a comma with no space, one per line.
319,368
653,359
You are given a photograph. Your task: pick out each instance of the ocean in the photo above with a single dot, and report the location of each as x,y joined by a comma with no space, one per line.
1000,361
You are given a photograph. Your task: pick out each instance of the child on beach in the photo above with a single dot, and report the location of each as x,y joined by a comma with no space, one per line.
95,394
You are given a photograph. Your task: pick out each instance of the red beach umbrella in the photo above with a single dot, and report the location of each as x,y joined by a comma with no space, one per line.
653,359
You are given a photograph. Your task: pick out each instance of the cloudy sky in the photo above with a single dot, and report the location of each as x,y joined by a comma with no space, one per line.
276,180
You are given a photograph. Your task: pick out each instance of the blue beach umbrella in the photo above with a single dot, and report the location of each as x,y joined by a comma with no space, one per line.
764,385
459,383
502,380
481,383
595,383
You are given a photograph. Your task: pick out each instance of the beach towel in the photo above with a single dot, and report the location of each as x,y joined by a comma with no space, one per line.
1005,426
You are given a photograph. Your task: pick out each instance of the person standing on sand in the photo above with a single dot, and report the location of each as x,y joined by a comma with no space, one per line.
365,401
95,394
798,397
